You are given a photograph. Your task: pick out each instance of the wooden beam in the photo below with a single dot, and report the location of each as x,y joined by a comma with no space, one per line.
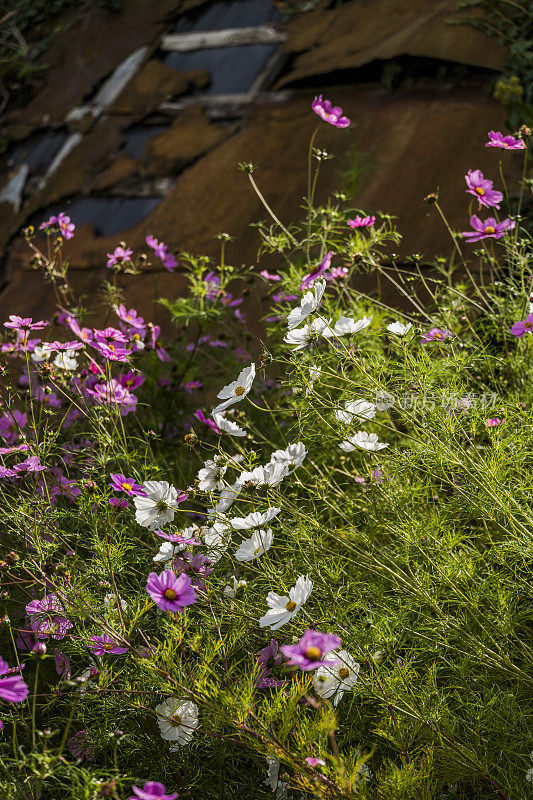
185,42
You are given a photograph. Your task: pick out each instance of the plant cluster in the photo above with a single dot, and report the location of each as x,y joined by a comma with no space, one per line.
302,571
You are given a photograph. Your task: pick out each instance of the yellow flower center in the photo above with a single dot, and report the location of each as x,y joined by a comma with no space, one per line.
107,646
169,594
175,719
290,606
343,673
127,486
528,324
313,653
490,229
111,347
239,391
480,191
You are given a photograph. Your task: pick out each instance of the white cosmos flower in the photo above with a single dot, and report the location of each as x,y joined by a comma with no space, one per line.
356,409
41,352
237,390
399,328
227,425
365,441
255,546
159,505
231,591
282,608
177,720
309,303
270,475
167,551
332,682
348,325
255,519
210,476
66,360
299,337
292,457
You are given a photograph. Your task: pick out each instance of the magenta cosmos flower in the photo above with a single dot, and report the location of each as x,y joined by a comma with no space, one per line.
309,652
482,189
121,483
66,227
317,272
315,762
104,645
361,222
497,139
152,790
494,422
12,687
47,617
121,255
169,592
329,113
24,323
490,229
522,327
436,335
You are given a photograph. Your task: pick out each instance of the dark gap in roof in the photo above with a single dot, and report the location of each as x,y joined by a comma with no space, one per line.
393,73
136,137
232,69
228,14
110,216
37,151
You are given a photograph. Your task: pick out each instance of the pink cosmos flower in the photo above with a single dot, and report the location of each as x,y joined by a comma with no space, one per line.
104,645
177,538
329,113
335,274
130,317
47,617
315,762
522,327
497,139
25,324
154,331
361,222
317,272
309,652
169,592
493,423
112,393
12,687
6,451
111,342
122,484
161,251
85,334
190,386
11,426
270,276
481,188
118,502
120,256
152,790
31,464
130,380
66,227
490,229
436,334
